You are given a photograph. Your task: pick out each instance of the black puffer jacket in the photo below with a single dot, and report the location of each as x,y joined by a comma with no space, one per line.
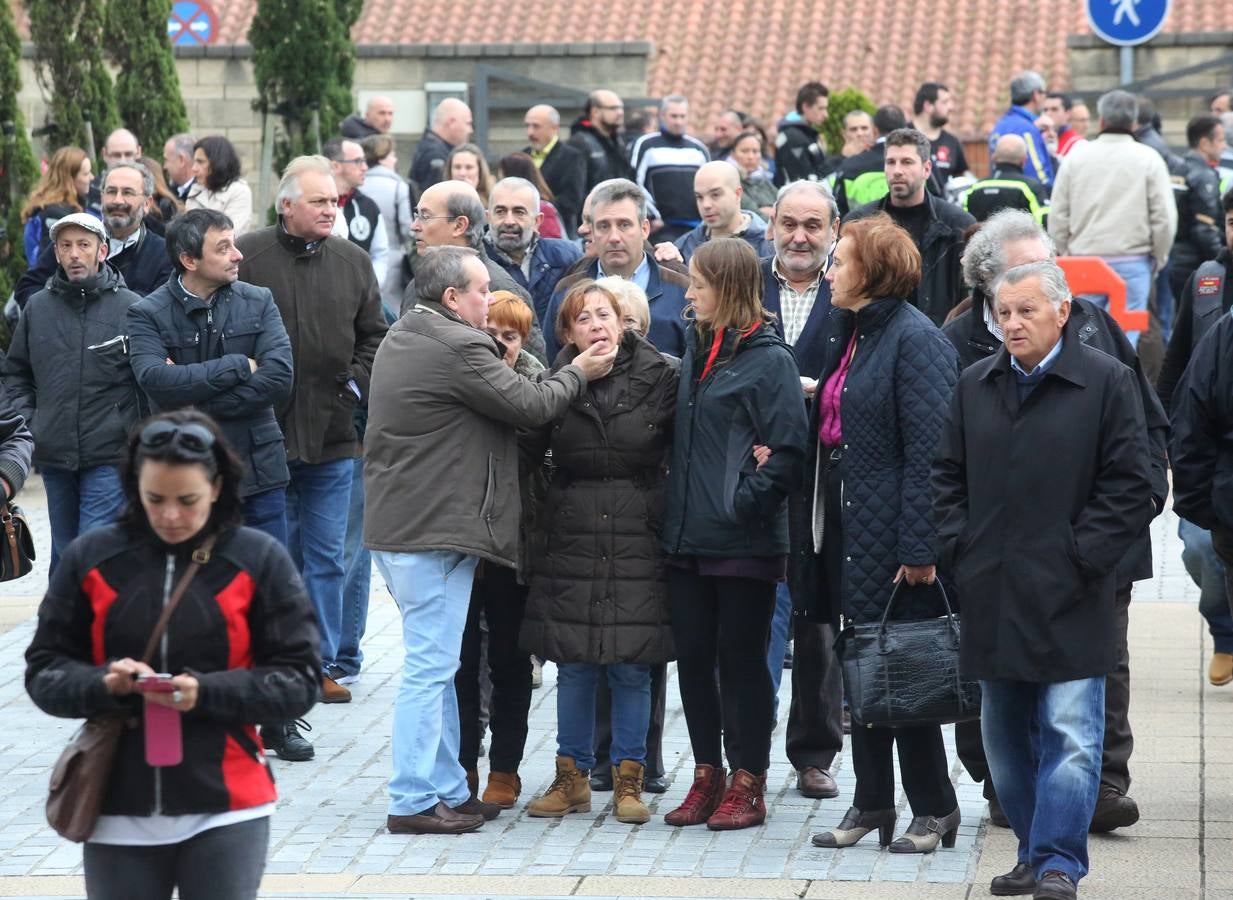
894,405
719,503
245,629
598,590
68,374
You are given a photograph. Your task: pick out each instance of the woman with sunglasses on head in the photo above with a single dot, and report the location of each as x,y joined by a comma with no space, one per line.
240,646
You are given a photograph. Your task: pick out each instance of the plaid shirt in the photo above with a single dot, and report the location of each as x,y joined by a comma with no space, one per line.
795,306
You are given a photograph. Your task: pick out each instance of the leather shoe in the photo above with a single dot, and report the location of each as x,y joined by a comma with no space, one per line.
285,740
601,779
1054,885
1016,883
1220,671
997,816
440,819
477,807
333,692
816,783
1113,810
657,784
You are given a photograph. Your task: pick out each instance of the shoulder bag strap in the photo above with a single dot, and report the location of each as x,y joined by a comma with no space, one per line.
201,556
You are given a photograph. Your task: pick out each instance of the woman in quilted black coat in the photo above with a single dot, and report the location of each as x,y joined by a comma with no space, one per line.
598,593
877,417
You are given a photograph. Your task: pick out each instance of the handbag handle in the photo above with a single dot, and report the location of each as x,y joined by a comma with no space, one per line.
10,537
201,556
890,604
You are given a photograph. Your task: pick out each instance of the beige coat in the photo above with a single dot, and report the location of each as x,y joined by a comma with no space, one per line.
1113,197
441,449
235,201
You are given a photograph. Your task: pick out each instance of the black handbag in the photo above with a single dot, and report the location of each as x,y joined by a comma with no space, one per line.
901,674
17,552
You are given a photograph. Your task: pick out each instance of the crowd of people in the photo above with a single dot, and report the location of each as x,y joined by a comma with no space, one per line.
640,398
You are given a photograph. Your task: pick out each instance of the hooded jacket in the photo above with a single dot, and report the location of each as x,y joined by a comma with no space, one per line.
754,234
68,374
605,154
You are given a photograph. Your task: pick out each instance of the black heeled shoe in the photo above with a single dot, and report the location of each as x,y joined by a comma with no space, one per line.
925,832
855,825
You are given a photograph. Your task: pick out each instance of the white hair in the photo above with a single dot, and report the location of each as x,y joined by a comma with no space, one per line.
289,187
1052,280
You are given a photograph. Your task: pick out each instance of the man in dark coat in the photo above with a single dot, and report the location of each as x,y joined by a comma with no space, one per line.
1039,624
451,126
1011,238
936,226
563,166
597,134
207,339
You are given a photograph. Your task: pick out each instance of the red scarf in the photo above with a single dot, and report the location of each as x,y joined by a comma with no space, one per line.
717,343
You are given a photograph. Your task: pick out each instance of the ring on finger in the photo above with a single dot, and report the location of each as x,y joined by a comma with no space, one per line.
177,696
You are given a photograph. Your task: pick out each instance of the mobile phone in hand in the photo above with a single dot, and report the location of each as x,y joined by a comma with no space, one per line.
164,741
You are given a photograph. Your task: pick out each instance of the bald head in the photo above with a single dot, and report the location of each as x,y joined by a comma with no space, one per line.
717,190
450,214
1010,148
121,146
543,122
380,113
452,121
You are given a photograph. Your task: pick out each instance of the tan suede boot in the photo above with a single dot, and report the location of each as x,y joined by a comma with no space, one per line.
627,793
503,789
569,792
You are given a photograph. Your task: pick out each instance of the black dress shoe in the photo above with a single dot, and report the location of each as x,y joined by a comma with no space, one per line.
601,779
816,783
1054,885
439,819
1113,810
1017,882
656,784
285,740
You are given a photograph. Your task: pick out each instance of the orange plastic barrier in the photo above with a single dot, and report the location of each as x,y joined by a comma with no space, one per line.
1092,275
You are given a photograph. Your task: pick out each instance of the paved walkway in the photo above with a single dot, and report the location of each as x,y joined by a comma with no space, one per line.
329,838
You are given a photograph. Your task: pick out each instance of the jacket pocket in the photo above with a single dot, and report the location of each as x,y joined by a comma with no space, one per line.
268,454
341,427
111,354
490,491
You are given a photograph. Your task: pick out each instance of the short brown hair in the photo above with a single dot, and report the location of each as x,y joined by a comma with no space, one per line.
575,300
376,148
731,268
508,310
887,257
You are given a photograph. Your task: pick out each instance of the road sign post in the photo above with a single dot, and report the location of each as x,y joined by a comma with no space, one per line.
192,23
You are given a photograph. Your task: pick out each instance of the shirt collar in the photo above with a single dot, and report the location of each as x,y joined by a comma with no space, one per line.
116,246
641,276
540,155
1044,365
783,279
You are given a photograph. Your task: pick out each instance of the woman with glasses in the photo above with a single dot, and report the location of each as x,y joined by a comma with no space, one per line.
217,183
189,795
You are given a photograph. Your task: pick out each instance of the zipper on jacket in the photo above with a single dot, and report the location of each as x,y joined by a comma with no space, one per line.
168,577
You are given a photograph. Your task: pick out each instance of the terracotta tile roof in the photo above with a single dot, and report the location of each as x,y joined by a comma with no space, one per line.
752,54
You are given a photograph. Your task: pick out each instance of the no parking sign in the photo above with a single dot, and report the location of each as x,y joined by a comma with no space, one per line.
192,23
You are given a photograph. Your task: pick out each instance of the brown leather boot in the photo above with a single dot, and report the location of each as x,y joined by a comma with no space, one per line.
742,806
503,789
473,782
627,793
569,792
703,798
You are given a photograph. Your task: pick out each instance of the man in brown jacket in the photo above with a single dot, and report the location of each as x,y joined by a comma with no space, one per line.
331,305
441,478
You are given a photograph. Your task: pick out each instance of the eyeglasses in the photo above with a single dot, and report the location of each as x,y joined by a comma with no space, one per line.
425,215
350,162
610,108
191,439
126,193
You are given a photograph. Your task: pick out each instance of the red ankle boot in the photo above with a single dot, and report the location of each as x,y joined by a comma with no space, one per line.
742,806
703,798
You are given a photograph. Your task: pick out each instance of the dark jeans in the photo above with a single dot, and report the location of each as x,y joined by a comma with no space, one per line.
815,719
503,601
358,583
267,511
1204,566
78,501
654,732
922,765
220,864
725,622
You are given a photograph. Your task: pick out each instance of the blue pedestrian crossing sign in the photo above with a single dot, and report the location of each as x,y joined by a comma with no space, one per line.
1127,22
192,23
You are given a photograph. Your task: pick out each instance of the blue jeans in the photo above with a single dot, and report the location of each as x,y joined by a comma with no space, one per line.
1207,571
1044,744
316,532
1137,273
433,593
777,649
1165,301
78,501
631,712
358,582
267,511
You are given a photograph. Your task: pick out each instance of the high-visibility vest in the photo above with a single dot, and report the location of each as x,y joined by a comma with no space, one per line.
1035,207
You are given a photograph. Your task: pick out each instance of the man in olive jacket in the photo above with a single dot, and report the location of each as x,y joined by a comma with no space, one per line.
441,478
330,304
1039,621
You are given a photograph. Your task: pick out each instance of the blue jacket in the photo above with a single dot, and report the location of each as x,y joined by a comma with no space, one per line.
551,260
665,292
754,235
1019,120
210,345
810,346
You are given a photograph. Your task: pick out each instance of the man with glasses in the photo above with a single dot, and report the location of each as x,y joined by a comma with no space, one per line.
139,254
597,133
361,222
514,242
450,214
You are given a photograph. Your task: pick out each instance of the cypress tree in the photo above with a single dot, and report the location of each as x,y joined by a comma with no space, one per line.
842,103
21,171
147,87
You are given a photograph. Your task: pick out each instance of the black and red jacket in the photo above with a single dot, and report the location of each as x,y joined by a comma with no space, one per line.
245,629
